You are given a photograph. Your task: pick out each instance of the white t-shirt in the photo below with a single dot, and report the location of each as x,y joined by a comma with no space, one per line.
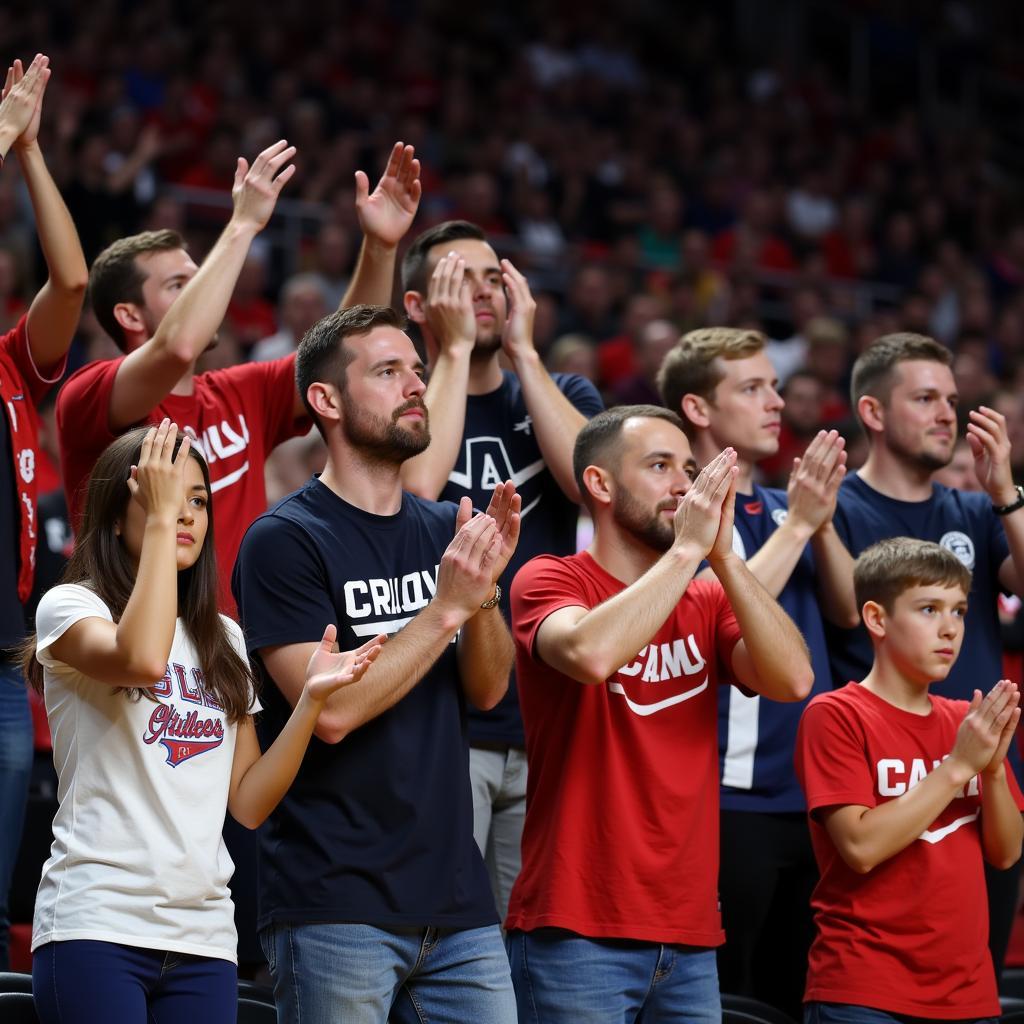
137,855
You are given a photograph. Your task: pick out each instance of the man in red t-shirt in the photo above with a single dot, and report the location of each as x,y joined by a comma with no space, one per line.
619,653
163,311
907,794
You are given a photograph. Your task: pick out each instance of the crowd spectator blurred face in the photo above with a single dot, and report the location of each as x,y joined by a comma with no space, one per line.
657,339
916,313
1011,405
959,472
906,397
591,293
302,304
974,381
803,395
333,251
573,353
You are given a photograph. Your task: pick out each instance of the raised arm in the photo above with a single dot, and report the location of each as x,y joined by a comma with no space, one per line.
147,375
134,651
259,781
771,658
556,422
591,644
53,315
464,582
867,836
449,315
385,215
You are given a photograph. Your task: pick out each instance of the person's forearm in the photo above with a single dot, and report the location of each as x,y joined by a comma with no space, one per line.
198,312
555,420
445,397
485,658
373,282
610,635
403,662
1013,525
833,566
146,629
883,831
264,785
779,666
1002,827
774,562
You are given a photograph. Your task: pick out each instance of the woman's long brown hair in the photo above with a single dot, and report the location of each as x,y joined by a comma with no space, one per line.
101,562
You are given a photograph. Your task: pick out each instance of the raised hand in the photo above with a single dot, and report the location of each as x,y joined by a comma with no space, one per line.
329,670
449,306
256,188
990,446
157,483
699,515
465,578
517,334
387,213
814,482
22,98
504,509
985,733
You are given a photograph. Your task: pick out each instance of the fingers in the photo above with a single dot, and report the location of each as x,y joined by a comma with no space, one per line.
329,637
394,160
133,480
183,449
374,644
241,170
362,187
465,513
147,445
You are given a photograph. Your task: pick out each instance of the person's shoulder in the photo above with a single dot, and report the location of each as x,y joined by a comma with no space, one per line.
576,386
71,595
293,511
86,375
440,512
550,567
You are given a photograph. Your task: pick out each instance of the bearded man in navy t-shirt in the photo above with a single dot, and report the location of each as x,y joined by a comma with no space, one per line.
906,398
374,897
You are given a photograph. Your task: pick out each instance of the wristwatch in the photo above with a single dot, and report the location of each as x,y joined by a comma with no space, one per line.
1005,510
497,590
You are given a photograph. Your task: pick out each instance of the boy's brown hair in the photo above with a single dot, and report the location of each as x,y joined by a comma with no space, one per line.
692,367
888,568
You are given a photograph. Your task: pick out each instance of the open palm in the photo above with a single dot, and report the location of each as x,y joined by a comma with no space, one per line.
387,213
329,670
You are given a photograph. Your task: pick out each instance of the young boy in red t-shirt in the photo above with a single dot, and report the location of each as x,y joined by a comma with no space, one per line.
907,793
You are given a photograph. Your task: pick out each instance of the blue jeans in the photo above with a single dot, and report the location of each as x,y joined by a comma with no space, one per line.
15,772
563,978
844,1013
82,981
358,974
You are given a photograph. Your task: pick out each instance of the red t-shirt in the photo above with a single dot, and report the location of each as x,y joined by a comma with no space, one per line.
621,833
910,936
239,415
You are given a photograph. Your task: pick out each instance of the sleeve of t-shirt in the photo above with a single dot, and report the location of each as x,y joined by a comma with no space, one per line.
727,629
831,763
271,389
541,587
581,393
238,642
38,380
280,586
83,425
59,609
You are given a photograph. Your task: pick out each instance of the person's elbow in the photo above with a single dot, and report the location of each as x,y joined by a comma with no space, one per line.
332,728
1003,855
488,698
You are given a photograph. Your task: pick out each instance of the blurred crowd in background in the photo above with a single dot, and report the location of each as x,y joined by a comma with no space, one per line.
826,172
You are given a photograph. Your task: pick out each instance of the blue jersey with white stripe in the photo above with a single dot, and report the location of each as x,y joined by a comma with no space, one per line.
757,736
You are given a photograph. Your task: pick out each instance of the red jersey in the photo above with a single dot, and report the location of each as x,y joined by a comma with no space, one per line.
237,417
22,385
621,833
910,936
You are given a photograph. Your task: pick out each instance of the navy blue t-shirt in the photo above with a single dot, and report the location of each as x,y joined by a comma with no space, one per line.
377,829
963,522
498,444
12,615
757,736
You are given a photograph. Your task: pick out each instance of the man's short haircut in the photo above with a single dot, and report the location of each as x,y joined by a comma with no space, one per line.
599,441
888,568
692,367
874,369
322,355
414,263
117,277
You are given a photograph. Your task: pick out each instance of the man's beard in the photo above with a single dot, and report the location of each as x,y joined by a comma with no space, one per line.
928,460
385,440
650,528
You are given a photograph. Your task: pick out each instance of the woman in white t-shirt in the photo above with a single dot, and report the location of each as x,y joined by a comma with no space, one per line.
150,702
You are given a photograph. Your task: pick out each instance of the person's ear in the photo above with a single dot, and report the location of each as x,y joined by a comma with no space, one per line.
325,400
415,304
874,618
871,413
696,410
129,317
599,485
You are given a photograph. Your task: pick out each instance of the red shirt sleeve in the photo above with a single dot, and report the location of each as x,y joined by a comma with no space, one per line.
83,418
831,763
37,380
271,389
541,587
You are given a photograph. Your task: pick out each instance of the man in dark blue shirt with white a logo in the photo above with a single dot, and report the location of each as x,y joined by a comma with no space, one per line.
722,383
374,897
906,398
